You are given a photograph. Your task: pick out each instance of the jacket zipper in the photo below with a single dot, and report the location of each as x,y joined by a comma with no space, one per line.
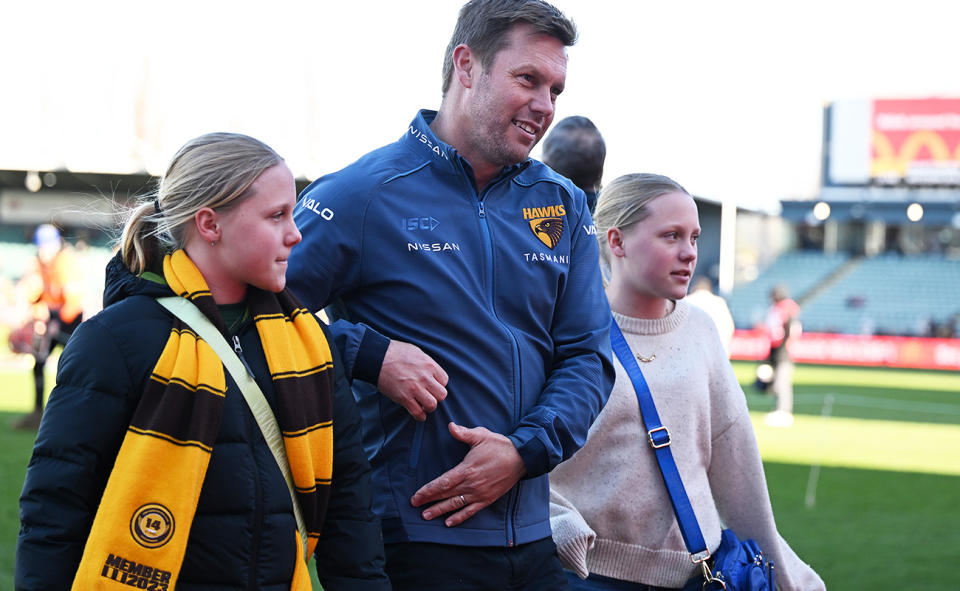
252,583
239,352
512,497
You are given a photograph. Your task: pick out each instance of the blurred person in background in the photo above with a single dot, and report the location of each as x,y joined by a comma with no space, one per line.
54,292
702,296
576,150
149,468
9,316
612,517
782,326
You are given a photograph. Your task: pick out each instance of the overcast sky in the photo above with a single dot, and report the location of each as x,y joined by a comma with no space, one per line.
725,97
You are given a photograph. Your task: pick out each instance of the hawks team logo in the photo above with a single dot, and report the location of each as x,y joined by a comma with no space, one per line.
152,525
546,223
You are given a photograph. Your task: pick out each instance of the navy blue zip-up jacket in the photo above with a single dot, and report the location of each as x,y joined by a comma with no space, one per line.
240,538
501,287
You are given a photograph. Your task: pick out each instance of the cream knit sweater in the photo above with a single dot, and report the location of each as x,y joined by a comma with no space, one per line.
610,511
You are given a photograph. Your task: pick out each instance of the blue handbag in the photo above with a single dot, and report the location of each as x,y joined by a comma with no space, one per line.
737,565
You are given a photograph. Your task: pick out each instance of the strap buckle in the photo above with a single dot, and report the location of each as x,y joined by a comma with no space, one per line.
700,557
660,441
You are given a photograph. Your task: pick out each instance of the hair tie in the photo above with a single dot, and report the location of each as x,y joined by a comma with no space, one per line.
156,207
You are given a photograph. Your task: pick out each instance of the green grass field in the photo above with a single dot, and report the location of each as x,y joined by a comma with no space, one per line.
878,511
881,512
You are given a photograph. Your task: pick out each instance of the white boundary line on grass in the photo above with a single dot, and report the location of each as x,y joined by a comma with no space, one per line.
810,499
885,403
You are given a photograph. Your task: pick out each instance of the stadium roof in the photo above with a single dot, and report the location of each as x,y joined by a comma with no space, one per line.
93,183
941,206
82,182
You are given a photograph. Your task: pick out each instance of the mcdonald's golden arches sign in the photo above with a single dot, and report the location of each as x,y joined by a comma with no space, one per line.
916,140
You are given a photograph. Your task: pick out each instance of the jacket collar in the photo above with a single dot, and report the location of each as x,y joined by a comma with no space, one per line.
421,139
121,283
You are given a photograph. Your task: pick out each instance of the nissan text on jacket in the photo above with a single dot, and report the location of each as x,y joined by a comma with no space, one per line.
501,287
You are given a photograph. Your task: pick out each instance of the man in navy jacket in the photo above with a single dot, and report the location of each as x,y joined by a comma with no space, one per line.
469,309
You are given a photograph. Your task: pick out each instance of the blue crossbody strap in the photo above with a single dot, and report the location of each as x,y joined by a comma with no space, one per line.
659,438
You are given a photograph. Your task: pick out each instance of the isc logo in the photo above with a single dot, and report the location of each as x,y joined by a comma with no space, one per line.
419,223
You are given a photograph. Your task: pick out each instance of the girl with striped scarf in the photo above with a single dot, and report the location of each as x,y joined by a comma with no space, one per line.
149,469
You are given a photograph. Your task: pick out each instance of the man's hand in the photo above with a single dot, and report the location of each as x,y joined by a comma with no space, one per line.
490,469
412,379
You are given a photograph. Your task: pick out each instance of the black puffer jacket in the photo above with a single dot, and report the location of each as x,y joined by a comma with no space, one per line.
242,533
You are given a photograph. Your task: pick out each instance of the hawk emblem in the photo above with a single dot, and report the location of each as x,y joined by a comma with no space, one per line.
548,230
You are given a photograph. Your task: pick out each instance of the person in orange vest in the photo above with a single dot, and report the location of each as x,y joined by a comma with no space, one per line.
54,291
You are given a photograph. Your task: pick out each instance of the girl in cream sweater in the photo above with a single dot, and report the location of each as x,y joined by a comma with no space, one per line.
611,515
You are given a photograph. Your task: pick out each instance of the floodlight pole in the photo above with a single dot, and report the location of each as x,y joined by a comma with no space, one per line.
728,247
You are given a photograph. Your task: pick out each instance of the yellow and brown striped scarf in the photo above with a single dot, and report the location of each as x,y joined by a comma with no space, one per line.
139,535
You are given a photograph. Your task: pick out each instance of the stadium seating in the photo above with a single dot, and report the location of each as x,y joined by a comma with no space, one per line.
888,294
799,271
